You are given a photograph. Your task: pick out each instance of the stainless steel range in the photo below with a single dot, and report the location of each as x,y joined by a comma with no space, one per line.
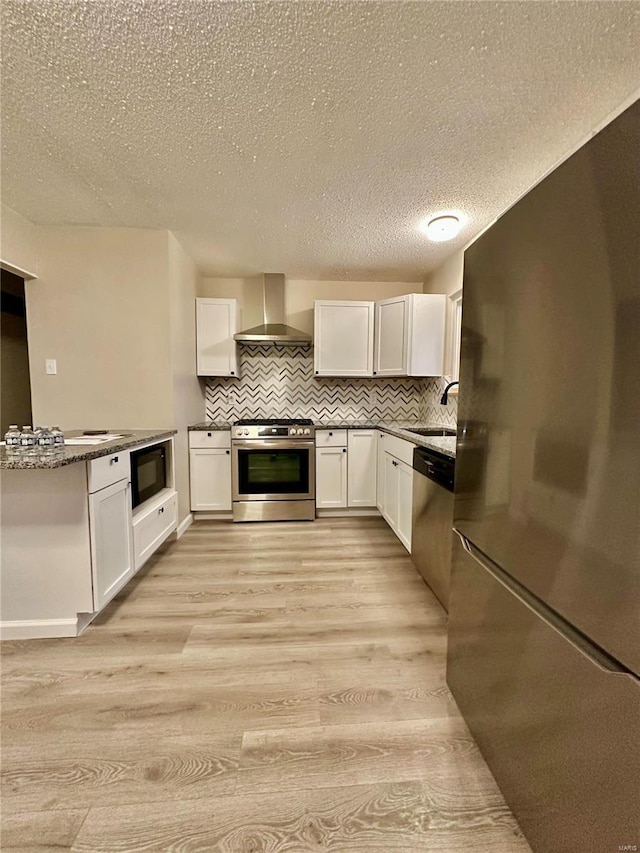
273,465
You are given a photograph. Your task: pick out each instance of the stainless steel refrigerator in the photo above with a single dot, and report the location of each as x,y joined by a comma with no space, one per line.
544,612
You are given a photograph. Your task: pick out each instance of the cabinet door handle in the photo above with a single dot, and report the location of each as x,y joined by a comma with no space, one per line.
114,459
344,449
227,452
330,434
233,373
209,434
160,510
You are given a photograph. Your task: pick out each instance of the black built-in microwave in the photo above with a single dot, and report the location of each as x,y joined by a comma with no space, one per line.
148,473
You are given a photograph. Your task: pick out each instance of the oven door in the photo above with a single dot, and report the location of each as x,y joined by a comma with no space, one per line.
266,470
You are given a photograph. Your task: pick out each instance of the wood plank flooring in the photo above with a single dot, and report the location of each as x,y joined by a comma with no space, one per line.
269,688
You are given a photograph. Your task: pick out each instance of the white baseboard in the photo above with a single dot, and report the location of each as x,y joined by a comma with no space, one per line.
32,629
184,525
347,511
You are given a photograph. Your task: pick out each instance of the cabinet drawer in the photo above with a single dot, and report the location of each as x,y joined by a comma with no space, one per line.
209,438
398,447
152,527
108,469
331,438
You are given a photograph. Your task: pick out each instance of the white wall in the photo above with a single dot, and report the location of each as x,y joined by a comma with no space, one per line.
188,393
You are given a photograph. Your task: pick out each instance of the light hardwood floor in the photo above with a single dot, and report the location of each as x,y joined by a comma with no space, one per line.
270,688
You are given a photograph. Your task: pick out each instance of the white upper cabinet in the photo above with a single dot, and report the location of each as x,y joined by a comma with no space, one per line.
343,338
409,339
216,324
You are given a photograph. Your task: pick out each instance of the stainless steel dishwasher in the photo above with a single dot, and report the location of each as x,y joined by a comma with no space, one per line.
431,531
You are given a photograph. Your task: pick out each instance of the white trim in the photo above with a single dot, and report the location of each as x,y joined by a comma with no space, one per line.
455,333
343,512
25,274
184,525
31,629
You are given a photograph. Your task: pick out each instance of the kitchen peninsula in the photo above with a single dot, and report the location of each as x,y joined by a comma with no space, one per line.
71,538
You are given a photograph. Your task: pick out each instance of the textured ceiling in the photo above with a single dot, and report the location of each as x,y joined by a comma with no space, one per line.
303,137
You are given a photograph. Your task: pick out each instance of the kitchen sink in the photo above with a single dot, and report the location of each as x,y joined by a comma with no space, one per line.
433,431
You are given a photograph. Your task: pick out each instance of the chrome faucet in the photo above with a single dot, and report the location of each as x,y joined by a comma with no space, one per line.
445,397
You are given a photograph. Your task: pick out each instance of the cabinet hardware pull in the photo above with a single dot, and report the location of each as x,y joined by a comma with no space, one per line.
233,373
115,459
209,434
227,452
160,510
330,433
344,449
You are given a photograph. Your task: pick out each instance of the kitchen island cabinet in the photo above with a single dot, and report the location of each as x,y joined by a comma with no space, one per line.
70,540
110,537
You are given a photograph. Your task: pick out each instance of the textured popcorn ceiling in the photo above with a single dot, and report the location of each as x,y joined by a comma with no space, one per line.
303,137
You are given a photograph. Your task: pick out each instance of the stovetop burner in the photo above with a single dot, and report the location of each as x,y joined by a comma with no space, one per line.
273,422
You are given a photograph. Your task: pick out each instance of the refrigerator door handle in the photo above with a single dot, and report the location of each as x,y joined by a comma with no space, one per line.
586,648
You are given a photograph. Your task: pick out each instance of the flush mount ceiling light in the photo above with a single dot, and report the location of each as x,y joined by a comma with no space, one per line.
440,228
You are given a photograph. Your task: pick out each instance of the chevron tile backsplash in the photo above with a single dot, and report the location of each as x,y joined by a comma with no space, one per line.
278,381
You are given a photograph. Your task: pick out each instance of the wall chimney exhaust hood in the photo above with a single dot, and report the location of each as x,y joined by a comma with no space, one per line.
273,329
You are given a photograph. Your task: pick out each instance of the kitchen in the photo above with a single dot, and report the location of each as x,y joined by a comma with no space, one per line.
259,644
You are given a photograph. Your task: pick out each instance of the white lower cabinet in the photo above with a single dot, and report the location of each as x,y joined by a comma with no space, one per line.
395,487
331,477
151,526
390,504
380,480
361,465
210,471
405,504
366,468
111,553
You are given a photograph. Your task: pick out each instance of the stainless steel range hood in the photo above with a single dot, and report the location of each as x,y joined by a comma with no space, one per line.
273,329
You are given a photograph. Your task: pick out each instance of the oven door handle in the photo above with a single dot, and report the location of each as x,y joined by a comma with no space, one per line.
272,444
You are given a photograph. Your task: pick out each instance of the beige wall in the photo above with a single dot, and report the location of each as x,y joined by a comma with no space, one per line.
299,296
115,308
188,394
100,308
447,278
18,241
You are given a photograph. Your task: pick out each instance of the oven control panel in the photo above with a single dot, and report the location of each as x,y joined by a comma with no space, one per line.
242,432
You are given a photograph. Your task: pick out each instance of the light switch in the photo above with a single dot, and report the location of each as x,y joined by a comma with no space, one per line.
51,366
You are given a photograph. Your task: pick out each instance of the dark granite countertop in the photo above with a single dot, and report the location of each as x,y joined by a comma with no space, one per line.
70,454
210,426
444,444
